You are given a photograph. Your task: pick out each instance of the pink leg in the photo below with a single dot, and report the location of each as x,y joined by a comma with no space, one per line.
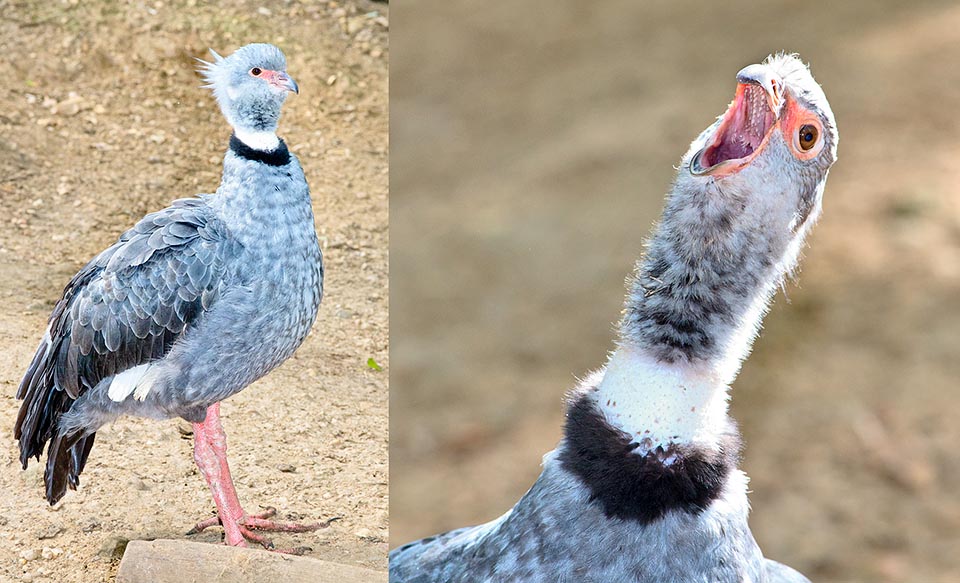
210,453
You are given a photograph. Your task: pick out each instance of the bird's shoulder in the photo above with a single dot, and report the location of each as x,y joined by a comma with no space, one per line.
175,253
186,222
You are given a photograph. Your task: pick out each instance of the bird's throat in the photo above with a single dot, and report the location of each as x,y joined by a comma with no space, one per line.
661,405
264,141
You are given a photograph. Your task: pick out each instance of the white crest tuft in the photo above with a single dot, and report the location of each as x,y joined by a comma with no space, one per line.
212,73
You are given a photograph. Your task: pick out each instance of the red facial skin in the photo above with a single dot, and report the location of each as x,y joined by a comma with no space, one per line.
796,116
278,79
793,116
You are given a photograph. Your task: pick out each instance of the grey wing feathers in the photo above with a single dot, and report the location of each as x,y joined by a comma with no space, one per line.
423,561
124,308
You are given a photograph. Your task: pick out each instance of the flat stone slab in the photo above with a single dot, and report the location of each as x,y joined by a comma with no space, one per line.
177,561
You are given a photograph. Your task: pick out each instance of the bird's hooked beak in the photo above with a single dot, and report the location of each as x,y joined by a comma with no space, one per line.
281,80
746,126
762,75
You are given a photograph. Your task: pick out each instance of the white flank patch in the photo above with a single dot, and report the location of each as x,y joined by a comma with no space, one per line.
146,383
133,380
659,403
264,141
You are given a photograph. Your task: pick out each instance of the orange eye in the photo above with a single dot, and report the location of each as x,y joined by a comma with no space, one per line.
807,136
255,71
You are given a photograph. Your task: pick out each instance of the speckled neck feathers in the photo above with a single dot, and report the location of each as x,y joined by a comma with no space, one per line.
699,293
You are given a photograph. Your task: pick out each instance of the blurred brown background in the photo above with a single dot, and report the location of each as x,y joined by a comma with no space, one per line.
532,145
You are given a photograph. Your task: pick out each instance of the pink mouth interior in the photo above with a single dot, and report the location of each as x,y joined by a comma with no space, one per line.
744,127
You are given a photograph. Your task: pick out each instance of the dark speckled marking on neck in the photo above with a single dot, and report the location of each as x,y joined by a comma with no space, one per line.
280,156
631,486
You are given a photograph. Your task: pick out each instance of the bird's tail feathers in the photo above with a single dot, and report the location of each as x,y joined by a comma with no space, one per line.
40,421
42,405
66,457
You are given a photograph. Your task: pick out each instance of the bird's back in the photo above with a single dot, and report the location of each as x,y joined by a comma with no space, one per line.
556,533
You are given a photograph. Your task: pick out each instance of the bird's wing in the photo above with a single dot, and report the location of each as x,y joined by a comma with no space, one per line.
124,308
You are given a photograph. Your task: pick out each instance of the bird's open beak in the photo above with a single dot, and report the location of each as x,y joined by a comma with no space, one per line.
281,80
746,127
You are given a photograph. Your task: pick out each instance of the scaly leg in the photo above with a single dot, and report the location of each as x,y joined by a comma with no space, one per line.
210,453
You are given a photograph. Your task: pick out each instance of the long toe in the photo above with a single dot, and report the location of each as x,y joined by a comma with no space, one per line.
268,512
205,524
256,523
256,538
268,544
237,532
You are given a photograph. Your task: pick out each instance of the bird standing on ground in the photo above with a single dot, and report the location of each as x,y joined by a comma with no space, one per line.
188,307
644,486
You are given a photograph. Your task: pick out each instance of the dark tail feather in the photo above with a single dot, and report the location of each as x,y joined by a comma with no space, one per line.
66,457
44,403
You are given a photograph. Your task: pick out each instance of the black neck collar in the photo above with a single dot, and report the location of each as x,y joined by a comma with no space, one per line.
279,156
631,486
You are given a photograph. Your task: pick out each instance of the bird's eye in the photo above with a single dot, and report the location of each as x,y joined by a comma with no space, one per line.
808,135
255,71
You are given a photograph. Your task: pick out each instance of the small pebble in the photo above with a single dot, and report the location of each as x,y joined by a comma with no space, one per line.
69,108
367,535
28,555
138,484
50,532
113,546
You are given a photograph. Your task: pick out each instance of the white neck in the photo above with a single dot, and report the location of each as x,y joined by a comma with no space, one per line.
659,403
258,140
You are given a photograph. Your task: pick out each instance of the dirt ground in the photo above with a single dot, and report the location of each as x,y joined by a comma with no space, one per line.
532,145
103,120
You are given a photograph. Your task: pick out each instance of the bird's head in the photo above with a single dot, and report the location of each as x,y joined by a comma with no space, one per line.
250,86
770,153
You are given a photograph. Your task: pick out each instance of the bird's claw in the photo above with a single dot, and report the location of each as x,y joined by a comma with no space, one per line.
260,522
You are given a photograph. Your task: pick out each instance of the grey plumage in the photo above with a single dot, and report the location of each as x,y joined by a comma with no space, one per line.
555,534
647,489
188,307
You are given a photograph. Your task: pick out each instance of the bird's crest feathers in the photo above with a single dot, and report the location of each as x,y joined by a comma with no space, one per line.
210,71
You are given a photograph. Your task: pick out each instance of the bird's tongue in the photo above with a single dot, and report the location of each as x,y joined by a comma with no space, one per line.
743,129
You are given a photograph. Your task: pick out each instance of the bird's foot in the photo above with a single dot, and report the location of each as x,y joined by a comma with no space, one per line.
248,523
